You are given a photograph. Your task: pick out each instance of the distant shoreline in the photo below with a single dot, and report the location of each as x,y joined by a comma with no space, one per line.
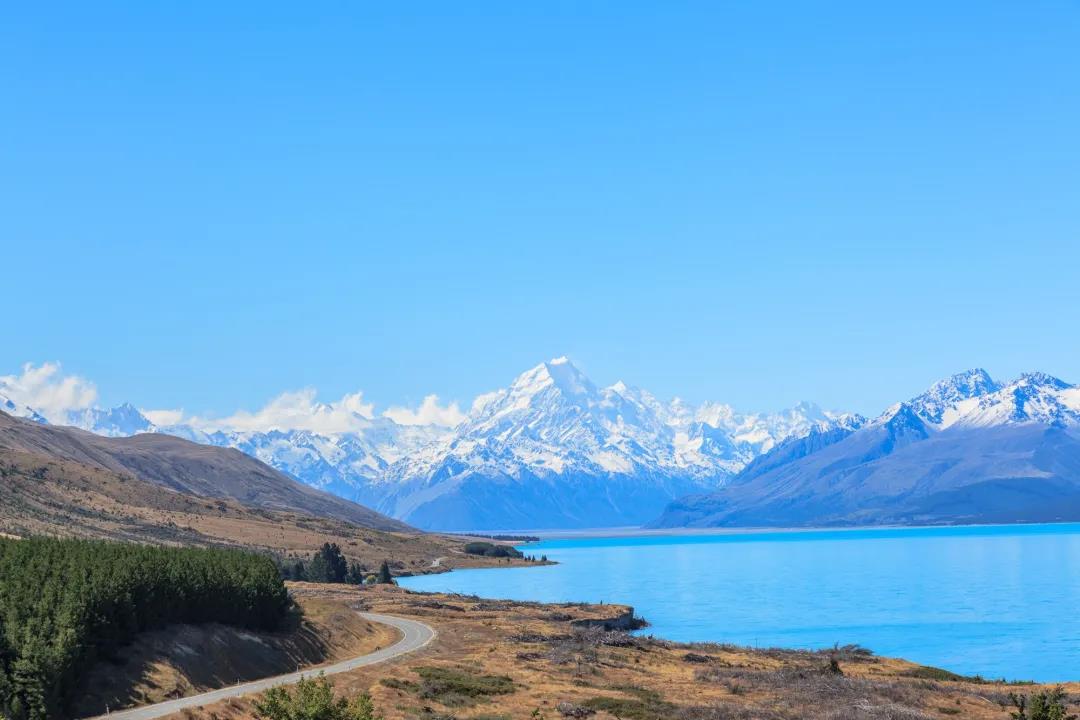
630,531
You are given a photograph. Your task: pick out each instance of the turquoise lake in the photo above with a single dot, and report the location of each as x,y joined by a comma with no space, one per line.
998,601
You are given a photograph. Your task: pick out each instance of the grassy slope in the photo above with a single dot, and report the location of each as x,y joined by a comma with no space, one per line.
44,496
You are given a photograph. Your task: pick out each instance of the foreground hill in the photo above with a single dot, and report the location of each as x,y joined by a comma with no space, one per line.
186,467
967,450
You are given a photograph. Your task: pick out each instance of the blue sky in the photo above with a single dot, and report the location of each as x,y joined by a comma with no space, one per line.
756,203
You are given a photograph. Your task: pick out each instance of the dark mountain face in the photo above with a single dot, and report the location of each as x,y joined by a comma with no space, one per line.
1010,473
967,450
187,467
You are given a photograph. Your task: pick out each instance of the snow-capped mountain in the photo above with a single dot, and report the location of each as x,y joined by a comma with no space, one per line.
968,449
20,410
120,421
555,450
551,449
349,464
973,399
735,439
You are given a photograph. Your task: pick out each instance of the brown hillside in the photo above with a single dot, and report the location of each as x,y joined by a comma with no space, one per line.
187,467
40,496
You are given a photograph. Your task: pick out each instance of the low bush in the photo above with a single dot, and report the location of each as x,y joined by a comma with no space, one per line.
927,672
453,687
313,700
1042,705
456,687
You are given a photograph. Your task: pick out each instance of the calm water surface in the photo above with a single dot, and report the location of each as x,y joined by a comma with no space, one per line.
1000,601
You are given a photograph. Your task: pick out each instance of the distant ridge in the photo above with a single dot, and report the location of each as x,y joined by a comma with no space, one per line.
967,450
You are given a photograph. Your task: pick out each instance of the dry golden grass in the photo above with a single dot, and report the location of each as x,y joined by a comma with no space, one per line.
554,668
68,499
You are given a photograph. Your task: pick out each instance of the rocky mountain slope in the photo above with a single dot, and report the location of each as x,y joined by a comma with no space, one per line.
554,450
967,450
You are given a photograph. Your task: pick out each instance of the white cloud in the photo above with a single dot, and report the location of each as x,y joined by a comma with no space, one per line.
299,411
45,389
163,418
429,413
484,399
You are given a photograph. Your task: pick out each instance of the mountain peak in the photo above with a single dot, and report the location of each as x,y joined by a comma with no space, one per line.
562,374
810,410
938,404
1041,379
969,383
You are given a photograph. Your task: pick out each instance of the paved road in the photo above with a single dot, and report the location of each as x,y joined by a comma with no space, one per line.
415,635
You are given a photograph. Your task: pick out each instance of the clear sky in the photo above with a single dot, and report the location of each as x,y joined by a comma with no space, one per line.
205,204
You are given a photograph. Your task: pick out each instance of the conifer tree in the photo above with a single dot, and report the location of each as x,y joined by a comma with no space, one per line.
385,578
66,603
356,574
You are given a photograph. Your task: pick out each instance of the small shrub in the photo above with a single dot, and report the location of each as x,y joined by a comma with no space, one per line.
571,710
313,700
644,704
926,672
397,684
1042,705
453,687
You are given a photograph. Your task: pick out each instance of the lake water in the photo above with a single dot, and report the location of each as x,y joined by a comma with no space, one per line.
999,601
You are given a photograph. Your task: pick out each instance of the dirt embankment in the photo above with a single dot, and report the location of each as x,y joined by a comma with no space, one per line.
186,659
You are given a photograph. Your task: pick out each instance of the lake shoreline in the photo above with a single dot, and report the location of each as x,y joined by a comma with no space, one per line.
631,531
893,589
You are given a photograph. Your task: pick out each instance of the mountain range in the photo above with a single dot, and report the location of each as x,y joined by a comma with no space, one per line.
969,449
554,450
551,450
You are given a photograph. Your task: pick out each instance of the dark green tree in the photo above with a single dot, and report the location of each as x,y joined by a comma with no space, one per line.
356,574
1042,705
65,604
328,565
385,578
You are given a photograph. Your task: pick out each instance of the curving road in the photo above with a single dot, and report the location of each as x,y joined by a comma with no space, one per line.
415,635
